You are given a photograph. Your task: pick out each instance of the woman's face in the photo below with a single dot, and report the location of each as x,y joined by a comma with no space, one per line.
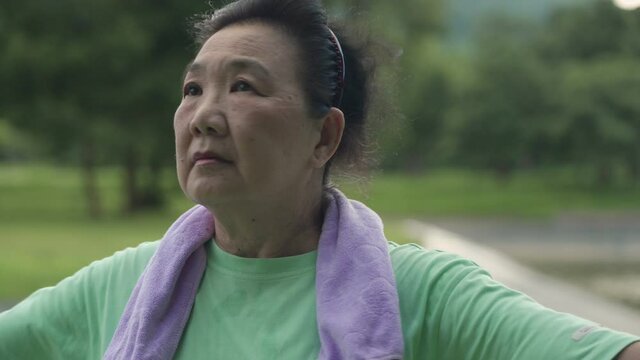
242,128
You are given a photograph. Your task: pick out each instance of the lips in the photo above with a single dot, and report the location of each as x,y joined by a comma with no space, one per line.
209,157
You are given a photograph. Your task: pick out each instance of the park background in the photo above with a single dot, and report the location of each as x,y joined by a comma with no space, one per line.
515,123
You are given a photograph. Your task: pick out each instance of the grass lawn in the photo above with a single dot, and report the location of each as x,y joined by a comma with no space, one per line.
465,193
46,236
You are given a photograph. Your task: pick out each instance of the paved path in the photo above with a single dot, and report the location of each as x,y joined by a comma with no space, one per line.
553,293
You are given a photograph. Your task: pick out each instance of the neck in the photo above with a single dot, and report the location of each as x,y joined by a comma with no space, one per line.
286,227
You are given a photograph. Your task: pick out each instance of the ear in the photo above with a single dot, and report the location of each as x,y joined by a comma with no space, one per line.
330,136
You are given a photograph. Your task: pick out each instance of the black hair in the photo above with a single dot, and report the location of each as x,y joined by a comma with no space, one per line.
306,21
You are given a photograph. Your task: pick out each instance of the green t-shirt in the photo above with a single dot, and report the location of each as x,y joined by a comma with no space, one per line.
265,309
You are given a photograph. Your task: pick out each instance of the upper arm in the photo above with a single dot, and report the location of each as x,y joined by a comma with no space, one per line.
77,317
497,322
452,309
631,352
49,324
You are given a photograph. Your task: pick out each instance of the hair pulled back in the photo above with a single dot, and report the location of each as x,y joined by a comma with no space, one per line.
306,22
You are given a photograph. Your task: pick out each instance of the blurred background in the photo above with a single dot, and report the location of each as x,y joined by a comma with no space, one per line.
516,124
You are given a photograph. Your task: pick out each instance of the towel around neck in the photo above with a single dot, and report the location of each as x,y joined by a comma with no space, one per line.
357,302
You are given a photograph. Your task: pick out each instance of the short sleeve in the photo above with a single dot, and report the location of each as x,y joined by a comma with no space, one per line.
468,315
49,324
74,319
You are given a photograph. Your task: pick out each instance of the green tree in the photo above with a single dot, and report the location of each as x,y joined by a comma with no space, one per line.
410,97
562,93
98,82
599,122
500,112
594,51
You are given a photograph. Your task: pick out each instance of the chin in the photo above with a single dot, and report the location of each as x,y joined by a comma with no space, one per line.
209,194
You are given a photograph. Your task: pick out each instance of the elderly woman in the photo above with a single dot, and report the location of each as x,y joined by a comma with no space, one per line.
272,263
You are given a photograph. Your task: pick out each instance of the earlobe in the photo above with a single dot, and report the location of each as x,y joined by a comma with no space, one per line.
330,137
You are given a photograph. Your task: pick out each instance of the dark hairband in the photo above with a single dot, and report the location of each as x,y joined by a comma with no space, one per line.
337,96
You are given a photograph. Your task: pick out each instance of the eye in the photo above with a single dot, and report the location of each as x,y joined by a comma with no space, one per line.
241,86
191,89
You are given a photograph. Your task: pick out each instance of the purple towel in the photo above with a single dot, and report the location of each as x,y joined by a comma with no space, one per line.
357,302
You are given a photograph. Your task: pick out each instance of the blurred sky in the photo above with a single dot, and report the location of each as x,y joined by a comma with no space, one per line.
627,4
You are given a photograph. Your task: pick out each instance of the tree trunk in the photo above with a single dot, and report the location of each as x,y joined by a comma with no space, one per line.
633,168
131,181
92,194
414,162
503,172
142,192
155,182
604,174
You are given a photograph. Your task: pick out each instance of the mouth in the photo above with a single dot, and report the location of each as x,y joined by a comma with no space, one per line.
208,158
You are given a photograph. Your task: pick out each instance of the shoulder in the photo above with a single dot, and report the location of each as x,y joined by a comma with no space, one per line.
107,283
123,264
105,276
414,264
132,259
76,317
118,271
419,255
427,280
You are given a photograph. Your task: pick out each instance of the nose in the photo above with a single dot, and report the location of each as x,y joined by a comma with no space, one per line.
209,120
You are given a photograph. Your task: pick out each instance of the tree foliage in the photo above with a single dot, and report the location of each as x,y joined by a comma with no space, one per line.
97,82
564,92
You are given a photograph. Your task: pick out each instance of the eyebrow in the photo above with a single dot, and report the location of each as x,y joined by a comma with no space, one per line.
188,69
239,63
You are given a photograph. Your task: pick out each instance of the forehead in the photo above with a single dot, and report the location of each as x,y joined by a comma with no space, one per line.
267,44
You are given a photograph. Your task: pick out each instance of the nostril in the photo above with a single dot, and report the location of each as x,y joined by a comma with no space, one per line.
208,125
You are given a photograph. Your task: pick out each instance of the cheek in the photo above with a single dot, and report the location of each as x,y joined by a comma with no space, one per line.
271,134
181,126
264,132
274,144
182,139
183,114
